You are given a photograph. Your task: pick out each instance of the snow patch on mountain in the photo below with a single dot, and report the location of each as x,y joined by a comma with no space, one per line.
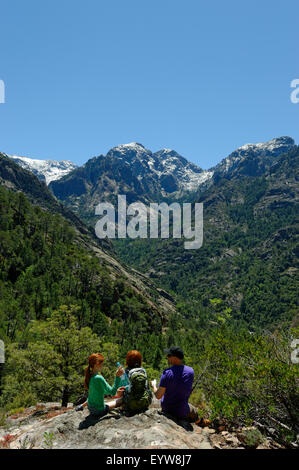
173,173
263,150
177,173
189,175
139,149
45,170
279,144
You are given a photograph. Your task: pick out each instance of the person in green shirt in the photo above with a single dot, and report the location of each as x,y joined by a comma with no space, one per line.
98,387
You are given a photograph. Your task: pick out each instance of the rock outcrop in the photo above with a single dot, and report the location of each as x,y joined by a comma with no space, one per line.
50,426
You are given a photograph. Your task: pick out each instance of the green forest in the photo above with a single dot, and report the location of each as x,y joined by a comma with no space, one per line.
59,303
249,256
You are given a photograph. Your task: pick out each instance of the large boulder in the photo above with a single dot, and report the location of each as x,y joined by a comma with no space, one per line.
77,430
47,425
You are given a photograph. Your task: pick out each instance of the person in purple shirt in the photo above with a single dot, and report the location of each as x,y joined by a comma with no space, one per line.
175,387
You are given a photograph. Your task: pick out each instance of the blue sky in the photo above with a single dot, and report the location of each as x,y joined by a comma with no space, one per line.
200,77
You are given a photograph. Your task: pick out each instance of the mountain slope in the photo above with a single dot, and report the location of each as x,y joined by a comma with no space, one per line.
249,225
14,177
248,260
248,257
50,223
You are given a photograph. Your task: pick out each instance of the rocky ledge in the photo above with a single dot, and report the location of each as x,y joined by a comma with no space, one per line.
47,425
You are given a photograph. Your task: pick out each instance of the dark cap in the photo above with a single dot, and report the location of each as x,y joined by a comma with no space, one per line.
174,351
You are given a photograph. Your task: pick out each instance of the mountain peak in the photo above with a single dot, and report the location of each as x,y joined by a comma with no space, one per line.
253,159
129,146
279,144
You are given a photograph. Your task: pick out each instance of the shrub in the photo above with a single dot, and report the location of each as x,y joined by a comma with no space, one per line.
251,438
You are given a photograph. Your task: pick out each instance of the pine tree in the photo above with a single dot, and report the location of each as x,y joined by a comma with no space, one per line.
51,367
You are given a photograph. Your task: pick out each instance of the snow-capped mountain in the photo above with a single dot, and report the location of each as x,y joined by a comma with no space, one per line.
253,159
128,169
173,171
136,171
45,170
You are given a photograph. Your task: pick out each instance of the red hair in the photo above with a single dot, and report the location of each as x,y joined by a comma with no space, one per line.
133,359
92,360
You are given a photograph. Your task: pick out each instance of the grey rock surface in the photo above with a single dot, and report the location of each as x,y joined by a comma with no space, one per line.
77,430
48,426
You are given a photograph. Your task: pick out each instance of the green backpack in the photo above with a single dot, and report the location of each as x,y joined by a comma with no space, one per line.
137,396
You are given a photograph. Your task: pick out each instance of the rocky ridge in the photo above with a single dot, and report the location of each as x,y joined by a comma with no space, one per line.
253,159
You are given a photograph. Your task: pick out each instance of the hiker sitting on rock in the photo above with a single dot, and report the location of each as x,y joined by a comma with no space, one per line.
98,387
137,396
175,387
